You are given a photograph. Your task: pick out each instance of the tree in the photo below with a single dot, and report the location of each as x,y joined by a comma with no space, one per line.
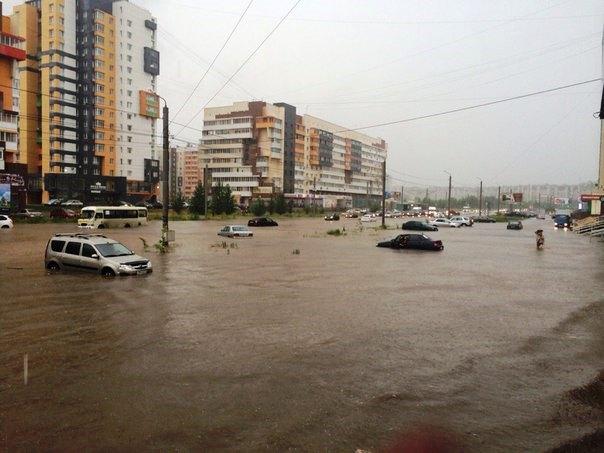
290,206
257,207
271,205
178,203
222,200
280,205
197,204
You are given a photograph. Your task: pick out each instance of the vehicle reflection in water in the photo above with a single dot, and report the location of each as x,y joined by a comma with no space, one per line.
332,349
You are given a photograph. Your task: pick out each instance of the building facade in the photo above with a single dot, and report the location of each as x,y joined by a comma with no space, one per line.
11,53
82,107
262,149
186,171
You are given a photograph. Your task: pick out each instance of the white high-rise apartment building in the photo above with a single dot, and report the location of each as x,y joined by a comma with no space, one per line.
136,148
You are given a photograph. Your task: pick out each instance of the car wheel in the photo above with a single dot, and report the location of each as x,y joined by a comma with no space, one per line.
442,247
127,225
107,272
53,267
101,226
5,227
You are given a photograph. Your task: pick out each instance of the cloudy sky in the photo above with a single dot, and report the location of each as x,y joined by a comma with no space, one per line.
358,63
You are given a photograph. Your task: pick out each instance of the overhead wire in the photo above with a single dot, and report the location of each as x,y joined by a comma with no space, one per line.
211,65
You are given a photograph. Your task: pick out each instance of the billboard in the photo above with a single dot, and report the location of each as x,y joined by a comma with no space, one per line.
148,104
513,197
4,196
151,61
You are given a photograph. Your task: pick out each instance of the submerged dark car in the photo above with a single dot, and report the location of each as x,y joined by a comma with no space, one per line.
562,221
412,241
331,217
517,225
262,222
418,226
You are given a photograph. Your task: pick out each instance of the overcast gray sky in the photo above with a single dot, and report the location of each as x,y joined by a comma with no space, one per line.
358,63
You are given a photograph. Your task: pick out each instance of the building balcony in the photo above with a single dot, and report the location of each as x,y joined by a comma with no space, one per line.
11,46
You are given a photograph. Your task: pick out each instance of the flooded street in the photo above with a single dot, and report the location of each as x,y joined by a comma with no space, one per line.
339,347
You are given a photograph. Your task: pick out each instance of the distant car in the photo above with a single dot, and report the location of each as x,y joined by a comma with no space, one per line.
5,222
418,226
28,213
62,213
54,202
463,221
235,231
93,252
441,221
412,241
331,217
351,215
562,221
368,218
515,225
262,222
484,219
73,203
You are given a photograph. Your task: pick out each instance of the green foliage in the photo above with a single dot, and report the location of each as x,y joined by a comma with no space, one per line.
280,205
222,200
290,206
198,200
179,203
271,205
257,207
336,232
375,207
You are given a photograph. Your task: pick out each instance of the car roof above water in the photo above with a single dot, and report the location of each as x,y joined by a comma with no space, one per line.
92,238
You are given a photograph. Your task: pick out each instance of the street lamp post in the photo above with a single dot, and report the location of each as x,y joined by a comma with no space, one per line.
480,198
165,172
449,197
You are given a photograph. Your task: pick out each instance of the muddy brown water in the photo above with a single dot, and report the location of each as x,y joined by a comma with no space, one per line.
339,347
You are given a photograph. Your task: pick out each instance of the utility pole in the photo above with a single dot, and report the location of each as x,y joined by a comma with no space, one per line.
539,205
480,199
206,192
314,195
498,198
402,197
384,194
449,197
165,174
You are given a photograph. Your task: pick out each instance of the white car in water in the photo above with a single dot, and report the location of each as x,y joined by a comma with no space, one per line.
5,222
236,231
368,218
442,222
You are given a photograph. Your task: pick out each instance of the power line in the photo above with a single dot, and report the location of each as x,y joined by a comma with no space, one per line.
215,58
244,62
471,107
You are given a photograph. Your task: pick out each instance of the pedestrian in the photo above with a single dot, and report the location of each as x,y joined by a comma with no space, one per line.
540,239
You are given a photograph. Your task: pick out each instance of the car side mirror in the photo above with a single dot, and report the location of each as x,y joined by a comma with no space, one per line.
95,256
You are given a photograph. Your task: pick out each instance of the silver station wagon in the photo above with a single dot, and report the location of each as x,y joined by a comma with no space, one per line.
93,252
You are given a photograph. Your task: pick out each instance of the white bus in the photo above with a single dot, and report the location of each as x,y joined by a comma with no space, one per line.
112,217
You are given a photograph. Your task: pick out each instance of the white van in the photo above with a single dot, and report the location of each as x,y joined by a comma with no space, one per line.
112,217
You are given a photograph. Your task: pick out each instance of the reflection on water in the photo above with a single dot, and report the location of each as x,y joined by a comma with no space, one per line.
339,347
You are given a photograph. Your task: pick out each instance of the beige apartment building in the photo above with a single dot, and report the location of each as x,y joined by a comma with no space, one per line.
188,170
261,149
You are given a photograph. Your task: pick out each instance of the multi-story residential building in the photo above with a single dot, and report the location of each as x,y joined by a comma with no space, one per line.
186,170
260,149
11,52
89,63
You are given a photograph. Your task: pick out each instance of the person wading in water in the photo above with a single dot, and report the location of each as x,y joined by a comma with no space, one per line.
540,239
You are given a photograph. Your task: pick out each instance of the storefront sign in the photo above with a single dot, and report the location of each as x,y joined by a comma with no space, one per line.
592,197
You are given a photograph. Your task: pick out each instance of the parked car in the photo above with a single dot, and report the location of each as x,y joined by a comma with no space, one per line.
5,222
368,218
62,213
235,231
484,219
351,215
562,221
514,225
262,222
412,241
331,217
73,203
54,202
463,221
442,222
93,252
28,213
418,226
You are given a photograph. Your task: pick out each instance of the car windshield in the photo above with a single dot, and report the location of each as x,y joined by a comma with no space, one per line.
87,214
113,249
239,228
561,218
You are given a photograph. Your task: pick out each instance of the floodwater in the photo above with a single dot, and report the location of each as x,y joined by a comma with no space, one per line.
343,346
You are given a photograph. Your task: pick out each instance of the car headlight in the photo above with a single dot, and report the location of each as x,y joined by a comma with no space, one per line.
125,267
149,265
